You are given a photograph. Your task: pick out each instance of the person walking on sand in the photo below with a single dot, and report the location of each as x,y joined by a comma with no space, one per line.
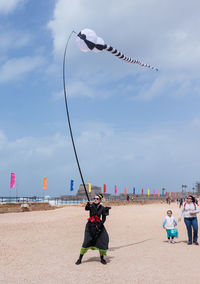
190,209
96,236
180,202
169,224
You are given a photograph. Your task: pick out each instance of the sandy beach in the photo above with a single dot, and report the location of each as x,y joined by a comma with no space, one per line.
42,247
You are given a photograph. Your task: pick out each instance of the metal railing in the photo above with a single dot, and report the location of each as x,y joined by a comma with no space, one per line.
53,200
76,200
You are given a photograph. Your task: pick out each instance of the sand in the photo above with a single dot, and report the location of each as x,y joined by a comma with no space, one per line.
42,247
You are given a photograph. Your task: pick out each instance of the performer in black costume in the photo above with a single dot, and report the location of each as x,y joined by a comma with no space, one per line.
96,236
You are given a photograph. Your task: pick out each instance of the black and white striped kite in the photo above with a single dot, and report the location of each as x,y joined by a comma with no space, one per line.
87,40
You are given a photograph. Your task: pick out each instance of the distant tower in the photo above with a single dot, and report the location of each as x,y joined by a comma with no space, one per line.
198,187
94,191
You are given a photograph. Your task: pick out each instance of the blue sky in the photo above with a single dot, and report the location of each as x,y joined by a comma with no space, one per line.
132,126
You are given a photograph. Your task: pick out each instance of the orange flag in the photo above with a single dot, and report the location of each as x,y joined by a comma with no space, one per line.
125,190
44,183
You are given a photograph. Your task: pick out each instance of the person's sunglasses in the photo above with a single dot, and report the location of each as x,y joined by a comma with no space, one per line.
97,198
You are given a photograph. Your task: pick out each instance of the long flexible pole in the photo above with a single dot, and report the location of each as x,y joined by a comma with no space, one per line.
68,117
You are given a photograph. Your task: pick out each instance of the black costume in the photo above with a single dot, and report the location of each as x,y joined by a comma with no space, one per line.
96,236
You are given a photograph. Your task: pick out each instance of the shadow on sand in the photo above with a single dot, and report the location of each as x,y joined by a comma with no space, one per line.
177,242
108,258
97,259
124,246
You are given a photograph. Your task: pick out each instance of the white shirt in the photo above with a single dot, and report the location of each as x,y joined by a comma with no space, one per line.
187,208
169,222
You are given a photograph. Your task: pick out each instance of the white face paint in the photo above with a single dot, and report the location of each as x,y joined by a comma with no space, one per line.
97,200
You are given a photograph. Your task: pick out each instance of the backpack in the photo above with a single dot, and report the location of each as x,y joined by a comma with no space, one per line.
193,203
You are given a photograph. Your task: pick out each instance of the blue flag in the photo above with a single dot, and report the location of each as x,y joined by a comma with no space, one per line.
134,191
72,185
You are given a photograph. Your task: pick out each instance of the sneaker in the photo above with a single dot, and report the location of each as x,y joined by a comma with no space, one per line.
169,241
173,241
189,243
196,243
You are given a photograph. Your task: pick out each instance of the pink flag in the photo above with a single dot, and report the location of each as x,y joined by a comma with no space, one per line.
142,191
115,189
12,180
154,192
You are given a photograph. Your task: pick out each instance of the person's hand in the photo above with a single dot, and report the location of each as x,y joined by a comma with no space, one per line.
164,228
179,219
192,213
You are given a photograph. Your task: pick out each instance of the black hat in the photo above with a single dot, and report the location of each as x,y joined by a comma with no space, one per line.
100,196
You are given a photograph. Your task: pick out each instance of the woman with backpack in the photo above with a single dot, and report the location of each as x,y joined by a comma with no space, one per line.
189,210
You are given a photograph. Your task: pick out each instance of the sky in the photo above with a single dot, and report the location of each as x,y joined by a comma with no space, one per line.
132,126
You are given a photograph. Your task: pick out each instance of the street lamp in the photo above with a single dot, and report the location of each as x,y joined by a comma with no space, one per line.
184,186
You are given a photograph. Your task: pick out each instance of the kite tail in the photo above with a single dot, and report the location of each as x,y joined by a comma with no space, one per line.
127,59
68,116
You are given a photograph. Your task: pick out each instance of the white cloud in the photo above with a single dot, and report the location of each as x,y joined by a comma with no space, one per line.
155,32
16,68
7,6
167,156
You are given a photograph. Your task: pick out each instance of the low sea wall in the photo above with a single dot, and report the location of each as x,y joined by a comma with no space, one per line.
25,207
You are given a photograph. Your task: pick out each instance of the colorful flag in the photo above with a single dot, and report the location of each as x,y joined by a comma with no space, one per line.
44,183
142,191
148,191
104,188
115,189
12,180
158,193
125,190
154,192
71,185
89,187
133,190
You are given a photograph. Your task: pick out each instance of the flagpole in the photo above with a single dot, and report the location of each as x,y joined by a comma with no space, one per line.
16,191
